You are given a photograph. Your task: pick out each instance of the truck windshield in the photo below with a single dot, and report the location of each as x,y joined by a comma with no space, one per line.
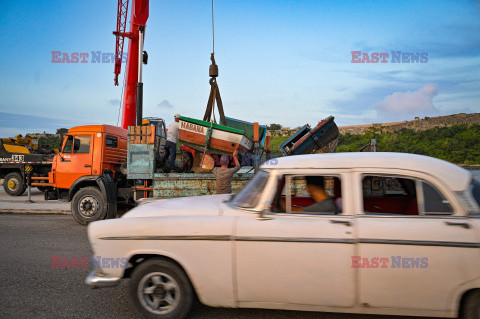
250,194
68,145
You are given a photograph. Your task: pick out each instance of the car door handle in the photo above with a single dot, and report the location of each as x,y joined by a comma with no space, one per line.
86,165
464,225
345,222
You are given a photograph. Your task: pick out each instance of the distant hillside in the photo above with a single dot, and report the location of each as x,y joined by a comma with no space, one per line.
459,144
415,125
454,138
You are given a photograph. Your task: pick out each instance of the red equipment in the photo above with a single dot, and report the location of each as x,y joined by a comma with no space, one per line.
133,91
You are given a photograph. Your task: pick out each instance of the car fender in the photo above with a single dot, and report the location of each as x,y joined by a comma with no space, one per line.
206,256
453,303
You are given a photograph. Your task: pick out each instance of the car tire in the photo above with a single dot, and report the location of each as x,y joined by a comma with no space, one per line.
88,205
161,289
14,184
471,306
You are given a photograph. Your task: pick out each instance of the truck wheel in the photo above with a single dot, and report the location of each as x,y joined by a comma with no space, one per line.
160,289
14,184
42,188
88,205
471,306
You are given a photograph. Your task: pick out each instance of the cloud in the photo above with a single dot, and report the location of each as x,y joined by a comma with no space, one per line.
114,102
165,105
411,104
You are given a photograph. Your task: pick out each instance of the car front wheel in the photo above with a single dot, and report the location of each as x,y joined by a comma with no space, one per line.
160,289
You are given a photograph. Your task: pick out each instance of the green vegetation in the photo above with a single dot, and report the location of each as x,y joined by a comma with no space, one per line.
52,142
274,126
458,144
275,142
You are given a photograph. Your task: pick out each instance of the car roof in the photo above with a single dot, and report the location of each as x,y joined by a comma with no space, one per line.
453,175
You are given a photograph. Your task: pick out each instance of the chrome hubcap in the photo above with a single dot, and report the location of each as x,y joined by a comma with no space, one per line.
88,206
158,292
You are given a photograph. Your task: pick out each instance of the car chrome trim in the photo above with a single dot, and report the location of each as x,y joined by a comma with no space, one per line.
418,243
304,240
298,240
97,279
238,238
206,237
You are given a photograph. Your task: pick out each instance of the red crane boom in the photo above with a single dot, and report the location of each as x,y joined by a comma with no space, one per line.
122,11
133,91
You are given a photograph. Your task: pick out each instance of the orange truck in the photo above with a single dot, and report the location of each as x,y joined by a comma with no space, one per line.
90,170
87,171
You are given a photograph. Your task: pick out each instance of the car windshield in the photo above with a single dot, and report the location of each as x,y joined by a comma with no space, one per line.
250,194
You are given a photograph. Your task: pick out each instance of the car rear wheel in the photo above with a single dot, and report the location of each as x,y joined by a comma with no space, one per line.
471,306
160,289
88,205
14,184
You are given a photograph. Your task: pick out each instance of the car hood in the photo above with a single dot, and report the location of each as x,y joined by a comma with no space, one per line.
198,205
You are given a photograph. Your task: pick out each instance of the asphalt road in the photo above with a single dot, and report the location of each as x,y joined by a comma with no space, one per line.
31,288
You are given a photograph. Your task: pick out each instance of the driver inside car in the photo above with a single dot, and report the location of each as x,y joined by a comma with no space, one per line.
323,203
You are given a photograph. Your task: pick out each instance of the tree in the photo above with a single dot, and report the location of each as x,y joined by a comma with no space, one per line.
274,127
62,130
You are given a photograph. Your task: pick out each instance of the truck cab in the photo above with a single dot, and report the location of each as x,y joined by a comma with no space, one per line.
87,170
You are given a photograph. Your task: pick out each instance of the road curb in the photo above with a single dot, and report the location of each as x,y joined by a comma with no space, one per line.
34,211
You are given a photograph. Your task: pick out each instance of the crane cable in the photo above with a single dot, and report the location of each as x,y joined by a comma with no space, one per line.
213,31
214,90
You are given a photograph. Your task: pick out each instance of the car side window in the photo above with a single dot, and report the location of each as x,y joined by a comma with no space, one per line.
434,202
476,191
311,194
400,195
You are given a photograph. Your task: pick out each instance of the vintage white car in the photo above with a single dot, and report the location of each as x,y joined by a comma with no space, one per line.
374,233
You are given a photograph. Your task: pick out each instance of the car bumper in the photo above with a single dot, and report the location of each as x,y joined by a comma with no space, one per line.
97,280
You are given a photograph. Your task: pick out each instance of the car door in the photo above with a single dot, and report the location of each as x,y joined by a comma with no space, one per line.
412,253
295,258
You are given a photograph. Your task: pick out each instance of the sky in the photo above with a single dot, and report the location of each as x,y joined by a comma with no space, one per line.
286,62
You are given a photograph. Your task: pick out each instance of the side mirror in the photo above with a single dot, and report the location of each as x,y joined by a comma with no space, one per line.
76,145
262,215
